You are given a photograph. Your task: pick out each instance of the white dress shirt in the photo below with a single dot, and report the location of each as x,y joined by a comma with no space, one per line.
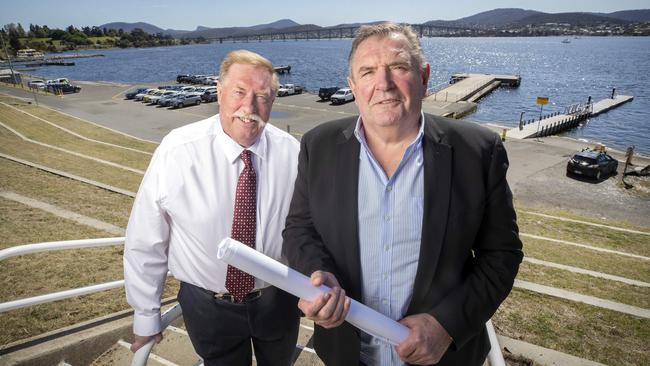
184,208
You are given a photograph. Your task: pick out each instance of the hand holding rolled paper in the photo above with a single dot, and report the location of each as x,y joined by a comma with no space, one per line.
277,274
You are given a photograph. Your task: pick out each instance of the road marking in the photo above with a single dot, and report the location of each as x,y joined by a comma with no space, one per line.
177,330
585,246
98,125
110,163
61,212
74,133
587,272
122,92
587,223
589,300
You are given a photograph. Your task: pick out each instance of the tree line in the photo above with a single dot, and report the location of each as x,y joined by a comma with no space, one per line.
46,39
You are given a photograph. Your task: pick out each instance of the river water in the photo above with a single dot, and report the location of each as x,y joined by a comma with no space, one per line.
566,73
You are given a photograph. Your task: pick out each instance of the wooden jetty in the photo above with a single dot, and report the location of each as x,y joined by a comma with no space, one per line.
558,122
282,69
49,63
472,87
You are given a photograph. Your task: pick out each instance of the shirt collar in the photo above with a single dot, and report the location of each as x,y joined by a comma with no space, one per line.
232,149
360,134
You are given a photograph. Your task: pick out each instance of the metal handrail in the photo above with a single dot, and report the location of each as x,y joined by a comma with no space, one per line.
58,245
142,355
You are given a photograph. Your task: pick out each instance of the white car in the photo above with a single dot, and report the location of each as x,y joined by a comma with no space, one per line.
139,97
36,84
342,96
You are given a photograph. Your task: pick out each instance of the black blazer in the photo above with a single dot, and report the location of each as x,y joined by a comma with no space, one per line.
470,250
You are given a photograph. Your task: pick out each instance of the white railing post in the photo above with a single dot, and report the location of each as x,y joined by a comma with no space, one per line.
495,357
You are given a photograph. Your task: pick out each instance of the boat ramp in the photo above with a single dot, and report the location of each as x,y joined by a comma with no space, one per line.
557,122
459,98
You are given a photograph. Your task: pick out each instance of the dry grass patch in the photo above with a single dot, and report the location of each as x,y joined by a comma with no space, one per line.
32,321
40,131
12,145
585,284
21,224
584,234
87,199
633,268
40,273
578,329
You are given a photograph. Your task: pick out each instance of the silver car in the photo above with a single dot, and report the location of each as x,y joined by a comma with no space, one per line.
183,100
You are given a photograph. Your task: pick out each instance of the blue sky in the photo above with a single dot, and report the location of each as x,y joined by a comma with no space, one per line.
187,14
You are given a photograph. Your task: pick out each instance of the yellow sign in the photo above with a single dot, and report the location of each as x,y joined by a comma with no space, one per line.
542,100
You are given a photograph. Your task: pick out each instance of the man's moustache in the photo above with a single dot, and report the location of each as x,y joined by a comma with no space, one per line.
251,116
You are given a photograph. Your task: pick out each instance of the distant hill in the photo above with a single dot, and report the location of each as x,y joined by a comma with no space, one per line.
641,15
128,27
499,18
280,24
579,19
496,17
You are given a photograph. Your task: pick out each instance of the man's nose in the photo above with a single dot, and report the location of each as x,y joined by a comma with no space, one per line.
248,103
383,79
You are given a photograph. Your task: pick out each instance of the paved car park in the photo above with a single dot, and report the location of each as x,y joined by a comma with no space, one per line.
537,171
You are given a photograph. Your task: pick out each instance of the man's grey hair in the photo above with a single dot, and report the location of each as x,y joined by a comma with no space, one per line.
385,30
248,58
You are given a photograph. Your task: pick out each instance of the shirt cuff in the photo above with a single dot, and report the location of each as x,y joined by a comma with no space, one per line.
146,324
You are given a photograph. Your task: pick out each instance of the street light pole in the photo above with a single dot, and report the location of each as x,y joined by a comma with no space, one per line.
13,76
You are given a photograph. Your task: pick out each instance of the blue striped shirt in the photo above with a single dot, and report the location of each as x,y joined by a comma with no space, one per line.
390,228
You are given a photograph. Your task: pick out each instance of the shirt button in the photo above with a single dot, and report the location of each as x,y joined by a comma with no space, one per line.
386,248
389,188
384,276
387,217
384,301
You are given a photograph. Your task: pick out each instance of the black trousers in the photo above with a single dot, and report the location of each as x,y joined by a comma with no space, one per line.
221,332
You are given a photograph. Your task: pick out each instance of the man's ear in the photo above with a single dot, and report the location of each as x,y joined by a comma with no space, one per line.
351,84
425,75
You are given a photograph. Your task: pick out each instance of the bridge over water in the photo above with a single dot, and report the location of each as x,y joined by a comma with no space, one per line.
423,30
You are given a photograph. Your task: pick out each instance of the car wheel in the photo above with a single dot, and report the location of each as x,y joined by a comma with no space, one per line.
181,105
598,175
198,102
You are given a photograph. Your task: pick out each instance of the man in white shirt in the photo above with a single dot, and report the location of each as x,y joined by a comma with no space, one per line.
227,175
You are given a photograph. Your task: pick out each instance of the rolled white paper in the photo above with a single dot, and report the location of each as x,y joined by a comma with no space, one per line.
277,274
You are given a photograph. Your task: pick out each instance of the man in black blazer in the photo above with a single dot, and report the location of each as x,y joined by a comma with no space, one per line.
464,252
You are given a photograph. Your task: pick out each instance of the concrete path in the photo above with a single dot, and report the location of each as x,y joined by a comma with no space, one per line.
590,300
598,249
586,272
541,356
60,212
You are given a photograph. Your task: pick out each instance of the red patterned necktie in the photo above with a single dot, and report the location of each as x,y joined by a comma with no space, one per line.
244,226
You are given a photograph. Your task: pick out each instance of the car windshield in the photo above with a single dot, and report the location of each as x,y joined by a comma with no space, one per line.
585,159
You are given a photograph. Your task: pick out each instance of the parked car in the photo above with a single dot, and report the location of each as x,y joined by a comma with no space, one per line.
36,84
209,95
165,100
57,81
211,80
63,88
131,95
592,163
182,100
289,89
156,92
155,99
342,96
327,92
138,97
182,78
